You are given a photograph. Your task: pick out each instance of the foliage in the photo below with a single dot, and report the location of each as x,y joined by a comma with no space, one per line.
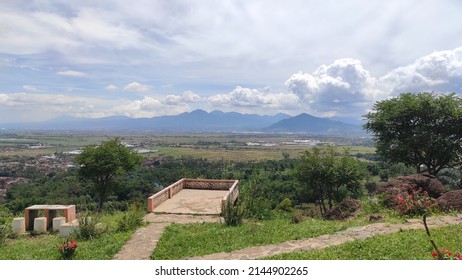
446,254
89,226
68,249
131,219
102,164
285,205
298,216
5,230
232,213
443,254
418,129
414,201
329,176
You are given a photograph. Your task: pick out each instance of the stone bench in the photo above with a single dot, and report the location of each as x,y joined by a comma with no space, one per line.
19,225
66,229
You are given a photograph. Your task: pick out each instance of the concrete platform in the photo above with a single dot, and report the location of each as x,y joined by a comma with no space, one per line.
193,201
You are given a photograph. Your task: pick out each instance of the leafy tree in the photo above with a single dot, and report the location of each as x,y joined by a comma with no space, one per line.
102,164
329,176
418,129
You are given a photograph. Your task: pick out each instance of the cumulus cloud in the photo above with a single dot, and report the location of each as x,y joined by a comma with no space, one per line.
71,73
254,100
187,97
438,71
343,86
346,88
135,86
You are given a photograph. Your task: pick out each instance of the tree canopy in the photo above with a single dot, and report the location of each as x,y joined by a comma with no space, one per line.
330,176
418,129
102,164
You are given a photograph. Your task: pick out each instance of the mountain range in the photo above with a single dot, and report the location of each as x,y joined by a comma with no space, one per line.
200,121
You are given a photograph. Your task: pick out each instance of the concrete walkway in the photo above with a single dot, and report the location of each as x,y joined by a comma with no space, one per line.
144,241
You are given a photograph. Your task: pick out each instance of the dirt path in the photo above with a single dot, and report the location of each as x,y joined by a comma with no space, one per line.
144,240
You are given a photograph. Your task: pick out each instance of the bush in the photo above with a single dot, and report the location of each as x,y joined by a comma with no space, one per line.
414,201
232,213
131,219
370,187
298,216
5,229
257,208
285,205
89,226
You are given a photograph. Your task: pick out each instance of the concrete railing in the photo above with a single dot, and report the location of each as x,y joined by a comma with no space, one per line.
165,194
199,184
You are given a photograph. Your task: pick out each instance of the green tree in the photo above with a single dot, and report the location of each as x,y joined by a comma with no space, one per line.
102,164
330,177
418,129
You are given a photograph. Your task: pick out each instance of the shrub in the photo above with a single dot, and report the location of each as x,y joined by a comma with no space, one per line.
285,205
5,229
412,201
67,249
131,219
258,208
3,234
298,216
370,187
232,213
89,226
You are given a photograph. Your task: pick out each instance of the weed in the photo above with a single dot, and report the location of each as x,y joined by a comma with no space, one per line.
232,213
131,219
89,226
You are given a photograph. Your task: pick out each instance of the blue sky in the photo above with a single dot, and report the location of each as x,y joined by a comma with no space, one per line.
145,58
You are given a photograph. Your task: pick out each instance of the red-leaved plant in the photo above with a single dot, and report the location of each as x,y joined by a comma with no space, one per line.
440,254
414,201
67,249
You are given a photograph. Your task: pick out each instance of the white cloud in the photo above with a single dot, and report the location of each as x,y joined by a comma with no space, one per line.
344,86
148,107
29,87
187,97
111,88
438,71
71,73
135,86
254,100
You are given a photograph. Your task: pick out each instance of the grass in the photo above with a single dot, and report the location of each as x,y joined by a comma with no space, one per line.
405,245
181,241
45,246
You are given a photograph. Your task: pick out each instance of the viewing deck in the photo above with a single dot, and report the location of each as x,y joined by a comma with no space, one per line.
194,196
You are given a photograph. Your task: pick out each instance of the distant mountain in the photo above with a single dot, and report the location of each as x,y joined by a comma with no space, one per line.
199,121
305,123
195,121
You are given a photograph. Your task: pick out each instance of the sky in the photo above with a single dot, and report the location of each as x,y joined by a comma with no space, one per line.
147,58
